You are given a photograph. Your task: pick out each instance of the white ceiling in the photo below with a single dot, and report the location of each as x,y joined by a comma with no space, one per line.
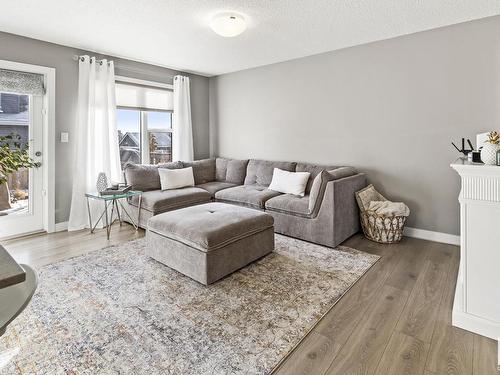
175,33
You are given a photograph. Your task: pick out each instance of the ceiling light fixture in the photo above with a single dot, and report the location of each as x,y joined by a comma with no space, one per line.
228,24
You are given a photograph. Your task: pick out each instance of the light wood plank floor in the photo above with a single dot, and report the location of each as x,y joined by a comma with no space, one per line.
395,320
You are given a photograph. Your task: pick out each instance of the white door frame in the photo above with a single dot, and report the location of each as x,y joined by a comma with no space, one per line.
49,121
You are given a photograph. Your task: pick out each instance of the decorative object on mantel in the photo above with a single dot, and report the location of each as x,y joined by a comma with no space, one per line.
382,221
463,150
475,157
480,139
102,182
490,148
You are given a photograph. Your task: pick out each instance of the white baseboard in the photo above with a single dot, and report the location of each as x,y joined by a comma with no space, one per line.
476,324
423,234
21,235
61,227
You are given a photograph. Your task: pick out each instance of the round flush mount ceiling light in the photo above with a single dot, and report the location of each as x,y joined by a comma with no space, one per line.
228,24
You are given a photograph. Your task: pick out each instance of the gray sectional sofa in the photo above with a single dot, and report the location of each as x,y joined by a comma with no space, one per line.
327,214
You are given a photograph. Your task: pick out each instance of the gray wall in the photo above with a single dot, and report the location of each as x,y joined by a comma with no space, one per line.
31,51
389,108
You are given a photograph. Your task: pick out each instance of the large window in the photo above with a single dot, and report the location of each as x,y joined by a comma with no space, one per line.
144,136
129,135
159,129
144,119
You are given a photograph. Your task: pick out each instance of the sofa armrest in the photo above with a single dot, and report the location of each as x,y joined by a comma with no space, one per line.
339,201
346,212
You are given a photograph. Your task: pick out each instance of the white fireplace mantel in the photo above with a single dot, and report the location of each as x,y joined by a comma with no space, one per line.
477,297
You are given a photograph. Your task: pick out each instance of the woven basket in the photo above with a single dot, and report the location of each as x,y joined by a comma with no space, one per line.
378,228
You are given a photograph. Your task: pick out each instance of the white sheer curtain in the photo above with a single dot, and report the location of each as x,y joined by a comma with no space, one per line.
96,137
182,140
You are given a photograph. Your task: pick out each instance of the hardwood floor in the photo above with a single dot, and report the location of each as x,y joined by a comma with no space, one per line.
41,249
395,320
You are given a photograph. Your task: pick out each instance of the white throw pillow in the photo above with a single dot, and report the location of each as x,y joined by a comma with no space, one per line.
176,178
289,182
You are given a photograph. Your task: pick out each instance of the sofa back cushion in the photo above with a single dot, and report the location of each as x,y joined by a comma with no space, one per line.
314,170
260,172
230,170
203,170
145,177
221,169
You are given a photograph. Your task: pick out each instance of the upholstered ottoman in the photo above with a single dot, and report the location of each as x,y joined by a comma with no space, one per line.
209,241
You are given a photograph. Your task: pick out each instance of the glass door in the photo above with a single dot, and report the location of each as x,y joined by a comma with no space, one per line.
21,199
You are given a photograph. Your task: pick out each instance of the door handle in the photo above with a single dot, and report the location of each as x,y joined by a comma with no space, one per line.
38,153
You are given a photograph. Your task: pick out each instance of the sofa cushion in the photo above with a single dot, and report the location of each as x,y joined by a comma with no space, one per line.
170,165
230,170
203,170
220,169
290,204
260,172
215,186
210,226
314,170
254,196
236,171
145,177
158,201
319,185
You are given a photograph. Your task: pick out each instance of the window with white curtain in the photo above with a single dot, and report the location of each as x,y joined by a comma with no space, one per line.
144,120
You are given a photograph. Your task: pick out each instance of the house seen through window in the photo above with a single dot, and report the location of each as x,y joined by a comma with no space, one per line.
144,136
144,121
15,121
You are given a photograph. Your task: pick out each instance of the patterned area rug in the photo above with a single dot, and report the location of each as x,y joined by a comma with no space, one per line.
116,311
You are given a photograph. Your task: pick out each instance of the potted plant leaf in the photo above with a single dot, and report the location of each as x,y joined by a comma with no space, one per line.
13,156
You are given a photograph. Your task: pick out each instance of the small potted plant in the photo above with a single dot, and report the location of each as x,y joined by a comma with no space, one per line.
13,156
490,148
